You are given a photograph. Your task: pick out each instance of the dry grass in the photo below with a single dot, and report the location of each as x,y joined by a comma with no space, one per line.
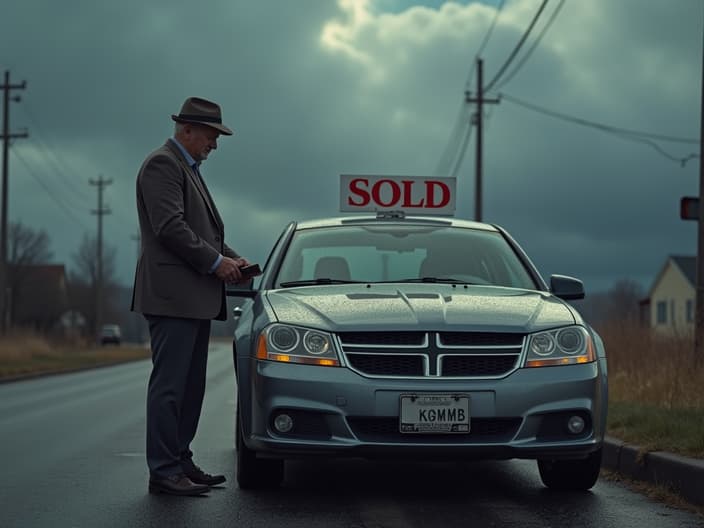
652,370
18,346
23,353
655,389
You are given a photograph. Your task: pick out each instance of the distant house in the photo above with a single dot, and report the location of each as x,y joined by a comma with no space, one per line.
671,301
38,295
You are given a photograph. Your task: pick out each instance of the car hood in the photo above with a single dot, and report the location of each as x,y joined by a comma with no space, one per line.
419,307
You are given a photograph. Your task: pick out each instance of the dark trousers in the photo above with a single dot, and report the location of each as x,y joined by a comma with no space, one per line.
176,390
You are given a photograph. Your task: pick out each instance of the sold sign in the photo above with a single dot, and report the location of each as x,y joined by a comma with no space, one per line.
411,194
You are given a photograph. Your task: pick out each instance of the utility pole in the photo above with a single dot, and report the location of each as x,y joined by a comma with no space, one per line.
479,122
6,137
101,184
699,301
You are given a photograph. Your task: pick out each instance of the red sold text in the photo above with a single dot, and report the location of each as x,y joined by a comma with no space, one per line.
399,193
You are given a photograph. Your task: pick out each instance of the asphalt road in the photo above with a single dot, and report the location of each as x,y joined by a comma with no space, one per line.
73,456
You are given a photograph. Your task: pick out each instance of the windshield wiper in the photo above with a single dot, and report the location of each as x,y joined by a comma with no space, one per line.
436,280
315,282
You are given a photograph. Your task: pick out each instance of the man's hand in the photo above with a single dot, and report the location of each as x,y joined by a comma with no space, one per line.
229,269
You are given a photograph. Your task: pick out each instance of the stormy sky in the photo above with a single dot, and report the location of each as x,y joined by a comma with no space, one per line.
319,88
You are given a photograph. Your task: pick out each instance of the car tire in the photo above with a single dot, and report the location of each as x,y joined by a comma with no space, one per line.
253,472
575,475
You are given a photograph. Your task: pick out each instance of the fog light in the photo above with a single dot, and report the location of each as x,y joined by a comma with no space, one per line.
575,424
283,423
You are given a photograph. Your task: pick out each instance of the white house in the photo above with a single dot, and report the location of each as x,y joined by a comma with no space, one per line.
672,297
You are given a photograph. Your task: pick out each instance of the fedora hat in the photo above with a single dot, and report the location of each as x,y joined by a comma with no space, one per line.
203,112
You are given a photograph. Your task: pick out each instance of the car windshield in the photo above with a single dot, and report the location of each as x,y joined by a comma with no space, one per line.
401,253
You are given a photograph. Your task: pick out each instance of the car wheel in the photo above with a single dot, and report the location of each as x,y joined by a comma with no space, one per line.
253,472
571,474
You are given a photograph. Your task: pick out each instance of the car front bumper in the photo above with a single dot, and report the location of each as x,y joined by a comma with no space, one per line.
337,412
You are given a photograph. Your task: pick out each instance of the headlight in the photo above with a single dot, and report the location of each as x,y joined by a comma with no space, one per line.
316,343
292,344
564,346
283,338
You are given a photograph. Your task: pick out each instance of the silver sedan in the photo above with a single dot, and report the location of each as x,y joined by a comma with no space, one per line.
414,337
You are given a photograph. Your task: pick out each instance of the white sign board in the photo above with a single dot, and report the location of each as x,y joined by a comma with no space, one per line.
421,195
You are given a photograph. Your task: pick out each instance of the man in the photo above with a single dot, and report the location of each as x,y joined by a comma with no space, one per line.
179,286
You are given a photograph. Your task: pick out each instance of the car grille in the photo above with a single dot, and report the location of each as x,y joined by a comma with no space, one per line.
432,354
386,429
387,364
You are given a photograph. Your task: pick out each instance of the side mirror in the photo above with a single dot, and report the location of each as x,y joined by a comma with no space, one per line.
567,288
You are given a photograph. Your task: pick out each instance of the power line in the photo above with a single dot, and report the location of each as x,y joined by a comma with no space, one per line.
57,164
516,49
535,45
52,157
647,138
455,143
462,150
470,76
76,193
72,191
463,147
682,161
51,195
594,124
61,167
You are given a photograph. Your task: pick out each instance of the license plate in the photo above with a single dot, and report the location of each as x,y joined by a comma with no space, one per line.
434,413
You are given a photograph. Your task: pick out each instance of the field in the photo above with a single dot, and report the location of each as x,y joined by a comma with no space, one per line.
23,354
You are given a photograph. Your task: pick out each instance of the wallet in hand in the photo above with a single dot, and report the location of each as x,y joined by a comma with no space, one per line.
250,271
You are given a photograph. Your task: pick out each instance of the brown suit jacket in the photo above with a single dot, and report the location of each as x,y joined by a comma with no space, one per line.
181,234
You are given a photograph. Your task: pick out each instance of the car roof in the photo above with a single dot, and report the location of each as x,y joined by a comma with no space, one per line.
395,219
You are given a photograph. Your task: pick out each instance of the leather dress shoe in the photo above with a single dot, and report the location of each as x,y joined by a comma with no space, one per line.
178,484
198,476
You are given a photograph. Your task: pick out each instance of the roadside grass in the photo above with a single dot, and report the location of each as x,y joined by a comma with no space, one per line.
23,354
653,429
656,399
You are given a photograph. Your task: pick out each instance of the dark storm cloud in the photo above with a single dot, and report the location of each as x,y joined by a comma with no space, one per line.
316,88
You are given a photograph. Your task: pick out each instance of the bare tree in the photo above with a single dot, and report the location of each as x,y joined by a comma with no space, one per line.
623,300
84,281
86,261
27,246
27,249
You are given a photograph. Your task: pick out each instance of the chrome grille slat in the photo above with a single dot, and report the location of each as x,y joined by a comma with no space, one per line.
479,339
384,339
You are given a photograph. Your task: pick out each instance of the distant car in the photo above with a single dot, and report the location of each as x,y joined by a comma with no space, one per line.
416,337
110,334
